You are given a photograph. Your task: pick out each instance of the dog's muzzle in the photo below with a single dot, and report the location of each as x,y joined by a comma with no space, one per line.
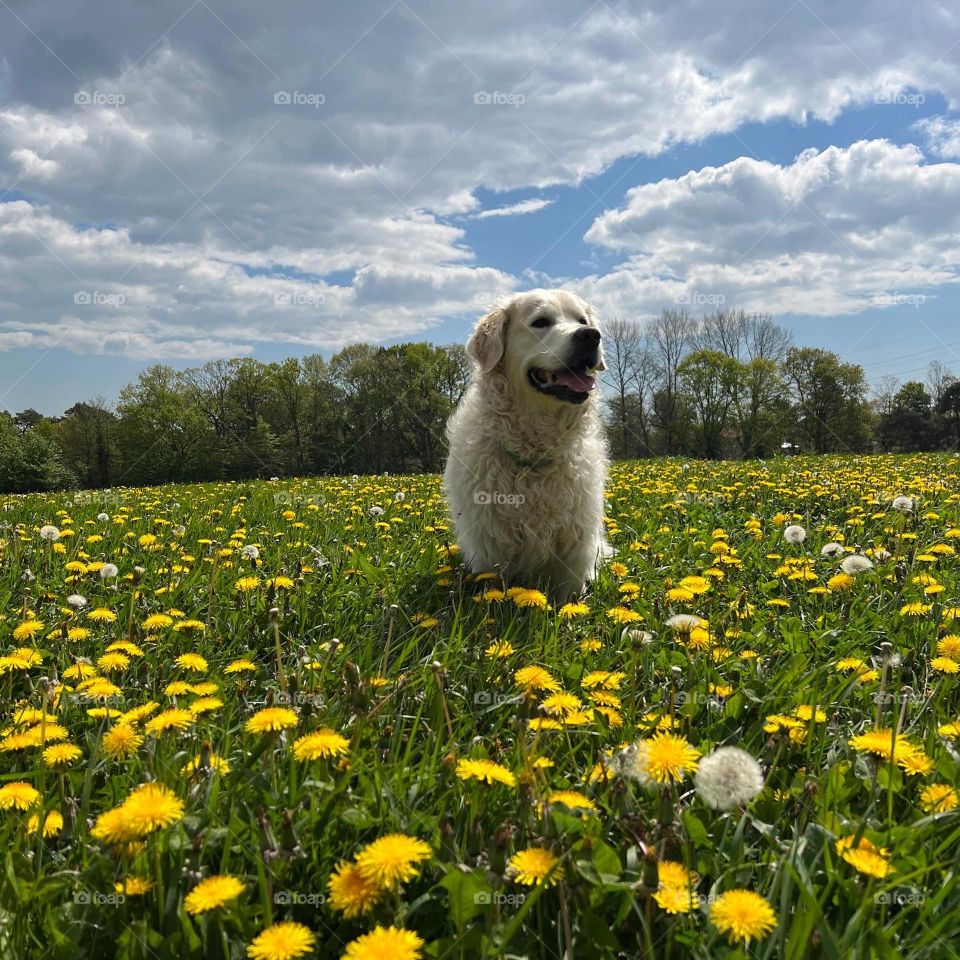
572,382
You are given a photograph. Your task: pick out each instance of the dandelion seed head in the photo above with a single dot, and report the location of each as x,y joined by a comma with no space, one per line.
727,778
794,534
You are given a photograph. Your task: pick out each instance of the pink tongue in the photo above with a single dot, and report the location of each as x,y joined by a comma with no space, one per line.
578,382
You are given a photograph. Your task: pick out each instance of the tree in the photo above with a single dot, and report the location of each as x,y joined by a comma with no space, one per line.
668,337
949,409
622,344
829,409
938,379
87,436
162,435
30,461
26,419
710,379
908,424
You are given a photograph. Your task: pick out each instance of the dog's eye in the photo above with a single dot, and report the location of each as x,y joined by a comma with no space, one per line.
541,322
583,319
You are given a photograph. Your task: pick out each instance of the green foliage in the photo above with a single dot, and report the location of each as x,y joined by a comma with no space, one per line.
30,461
363,621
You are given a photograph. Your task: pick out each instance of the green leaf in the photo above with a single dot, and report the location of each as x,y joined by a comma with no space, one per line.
696,831
470,894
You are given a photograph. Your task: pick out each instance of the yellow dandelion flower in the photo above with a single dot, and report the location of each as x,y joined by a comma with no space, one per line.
271,720
320,745
286,940
485,771
52,824
392,860
212,893
17,795
350,892
742,915
938,798
534,865
864,856
385,943
121,741
535,678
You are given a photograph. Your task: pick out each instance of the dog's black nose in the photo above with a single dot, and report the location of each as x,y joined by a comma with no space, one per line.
587,335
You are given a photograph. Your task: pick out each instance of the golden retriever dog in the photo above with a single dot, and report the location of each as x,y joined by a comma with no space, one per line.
527,461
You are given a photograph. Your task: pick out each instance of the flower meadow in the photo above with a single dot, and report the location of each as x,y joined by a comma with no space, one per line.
279,719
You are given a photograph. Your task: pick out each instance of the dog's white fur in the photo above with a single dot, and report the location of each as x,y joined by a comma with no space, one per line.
526,471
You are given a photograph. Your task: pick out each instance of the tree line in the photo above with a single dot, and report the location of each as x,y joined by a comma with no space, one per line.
732,384
727,384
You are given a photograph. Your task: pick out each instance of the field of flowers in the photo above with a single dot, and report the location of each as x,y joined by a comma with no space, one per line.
279,720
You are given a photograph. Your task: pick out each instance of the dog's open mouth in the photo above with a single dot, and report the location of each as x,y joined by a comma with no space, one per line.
574,386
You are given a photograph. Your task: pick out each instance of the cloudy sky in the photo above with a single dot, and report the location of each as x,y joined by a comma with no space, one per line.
183,180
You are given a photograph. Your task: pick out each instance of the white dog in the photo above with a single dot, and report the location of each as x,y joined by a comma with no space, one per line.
527,462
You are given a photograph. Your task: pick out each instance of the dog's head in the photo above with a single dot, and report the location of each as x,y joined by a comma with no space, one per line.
546,341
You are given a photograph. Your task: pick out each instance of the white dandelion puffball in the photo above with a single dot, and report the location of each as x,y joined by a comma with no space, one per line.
903,504
881,554
77,601
103,517
375,511
831,549
49,533
727,778
399,496
684,622
855,564
794,534
108,570
250,552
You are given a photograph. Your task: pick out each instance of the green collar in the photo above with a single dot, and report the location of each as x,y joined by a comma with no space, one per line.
524,461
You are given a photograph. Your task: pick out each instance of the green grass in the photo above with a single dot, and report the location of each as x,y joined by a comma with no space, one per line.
360,653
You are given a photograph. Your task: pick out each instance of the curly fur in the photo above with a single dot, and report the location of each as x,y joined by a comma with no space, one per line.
525,473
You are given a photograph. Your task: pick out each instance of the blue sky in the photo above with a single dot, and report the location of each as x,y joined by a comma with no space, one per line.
194,182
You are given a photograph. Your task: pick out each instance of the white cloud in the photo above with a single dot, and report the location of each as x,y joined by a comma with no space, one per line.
514,209
173,135
101,291
834,232
33,167
942,136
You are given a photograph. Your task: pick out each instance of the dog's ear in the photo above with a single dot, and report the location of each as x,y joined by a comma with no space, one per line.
488,340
